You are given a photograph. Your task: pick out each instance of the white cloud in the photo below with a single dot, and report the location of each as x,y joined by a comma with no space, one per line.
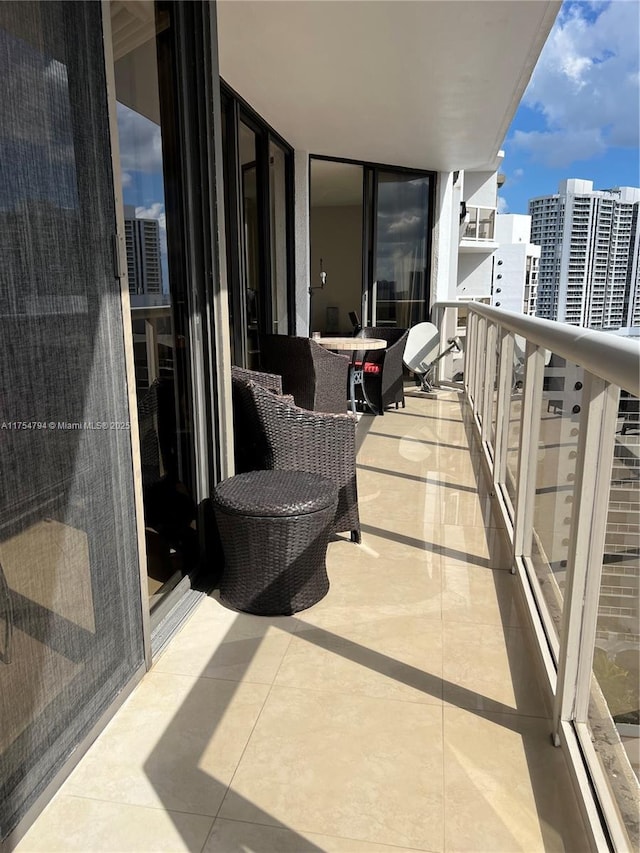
156,211
140,142
518,173
503,206
586,84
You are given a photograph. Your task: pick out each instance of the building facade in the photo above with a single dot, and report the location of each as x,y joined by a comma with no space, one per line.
589,243
515,265
142,238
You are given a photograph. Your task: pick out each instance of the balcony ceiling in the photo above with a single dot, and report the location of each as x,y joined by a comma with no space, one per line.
431,85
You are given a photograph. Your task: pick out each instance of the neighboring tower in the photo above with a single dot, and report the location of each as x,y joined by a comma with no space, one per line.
515,265
589,254
142,237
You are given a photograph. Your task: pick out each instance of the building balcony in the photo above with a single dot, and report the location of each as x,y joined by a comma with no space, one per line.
401,712
417,705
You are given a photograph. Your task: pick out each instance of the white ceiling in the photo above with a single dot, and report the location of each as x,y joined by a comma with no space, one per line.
429,84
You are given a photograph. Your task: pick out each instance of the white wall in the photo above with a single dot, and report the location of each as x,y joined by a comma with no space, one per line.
480,189
474,274
446,234
508,291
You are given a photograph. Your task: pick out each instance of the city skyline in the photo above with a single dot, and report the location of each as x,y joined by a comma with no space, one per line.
579,117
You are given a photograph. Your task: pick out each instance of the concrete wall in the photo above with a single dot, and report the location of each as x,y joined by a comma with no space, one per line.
480,189
474,274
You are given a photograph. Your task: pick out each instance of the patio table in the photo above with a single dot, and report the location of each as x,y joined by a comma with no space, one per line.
354,345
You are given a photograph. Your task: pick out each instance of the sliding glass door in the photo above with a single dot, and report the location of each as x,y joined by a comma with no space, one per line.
396,285
258,204
370,232
70,611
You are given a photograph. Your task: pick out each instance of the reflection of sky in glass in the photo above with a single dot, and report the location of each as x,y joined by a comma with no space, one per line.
402,219
142,178
37,158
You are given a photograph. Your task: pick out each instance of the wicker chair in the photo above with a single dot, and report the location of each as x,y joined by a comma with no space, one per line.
289,438
249,447
315,377
382,371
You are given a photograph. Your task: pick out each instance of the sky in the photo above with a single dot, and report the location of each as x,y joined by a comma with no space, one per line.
580,114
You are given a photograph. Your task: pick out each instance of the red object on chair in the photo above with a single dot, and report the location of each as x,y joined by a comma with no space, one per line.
369,367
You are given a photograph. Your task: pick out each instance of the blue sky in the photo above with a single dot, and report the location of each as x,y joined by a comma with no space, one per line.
580,114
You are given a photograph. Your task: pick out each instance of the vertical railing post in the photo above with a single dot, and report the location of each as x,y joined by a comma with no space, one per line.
586,547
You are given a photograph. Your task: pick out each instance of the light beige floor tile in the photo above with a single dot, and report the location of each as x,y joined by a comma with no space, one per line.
76,823
463,508
490,668
174,745
507,787
348,766
217,642
391,658
232,836
382,588
476,546
411,546
483,596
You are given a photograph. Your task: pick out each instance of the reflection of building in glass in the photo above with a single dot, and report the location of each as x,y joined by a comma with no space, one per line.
590,241
142,237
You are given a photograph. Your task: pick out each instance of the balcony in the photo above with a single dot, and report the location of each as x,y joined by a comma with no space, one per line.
402,711
412,708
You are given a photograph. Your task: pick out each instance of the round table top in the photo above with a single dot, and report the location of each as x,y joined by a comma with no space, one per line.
350,344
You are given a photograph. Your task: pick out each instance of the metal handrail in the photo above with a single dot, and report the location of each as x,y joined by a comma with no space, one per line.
608,356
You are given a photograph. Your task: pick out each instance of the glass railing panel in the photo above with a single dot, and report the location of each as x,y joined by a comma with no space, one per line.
614,709
514,410
555,479
494,400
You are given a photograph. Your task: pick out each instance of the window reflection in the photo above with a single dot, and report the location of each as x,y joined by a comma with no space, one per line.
400,270
159,339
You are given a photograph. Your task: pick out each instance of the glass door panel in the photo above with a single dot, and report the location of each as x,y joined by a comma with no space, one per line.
70,618
278,234
398,293
158,306
335,232
250,240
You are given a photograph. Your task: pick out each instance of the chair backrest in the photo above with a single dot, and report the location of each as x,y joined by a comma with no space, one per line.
271,381
315,377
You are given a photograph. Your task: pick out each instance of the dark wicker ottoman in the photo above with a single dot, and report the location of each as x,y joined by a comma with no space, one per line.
275,527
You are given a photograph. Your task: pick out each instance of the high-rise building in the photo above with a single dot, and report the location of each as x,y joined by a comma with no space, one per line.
515,265
589,242
142,237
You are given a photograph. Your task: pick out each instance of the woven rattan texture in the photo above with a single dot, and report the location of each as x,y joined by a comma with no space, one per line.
315,377
275,493
386,387
291,438
271,381
274,565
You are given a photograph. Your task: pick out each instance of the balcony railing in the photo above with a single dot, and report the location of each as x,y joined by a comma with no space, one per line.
556,410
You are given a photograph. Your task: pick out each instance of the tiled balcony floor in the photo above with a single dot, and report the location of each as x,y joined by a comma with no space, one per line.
402,712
